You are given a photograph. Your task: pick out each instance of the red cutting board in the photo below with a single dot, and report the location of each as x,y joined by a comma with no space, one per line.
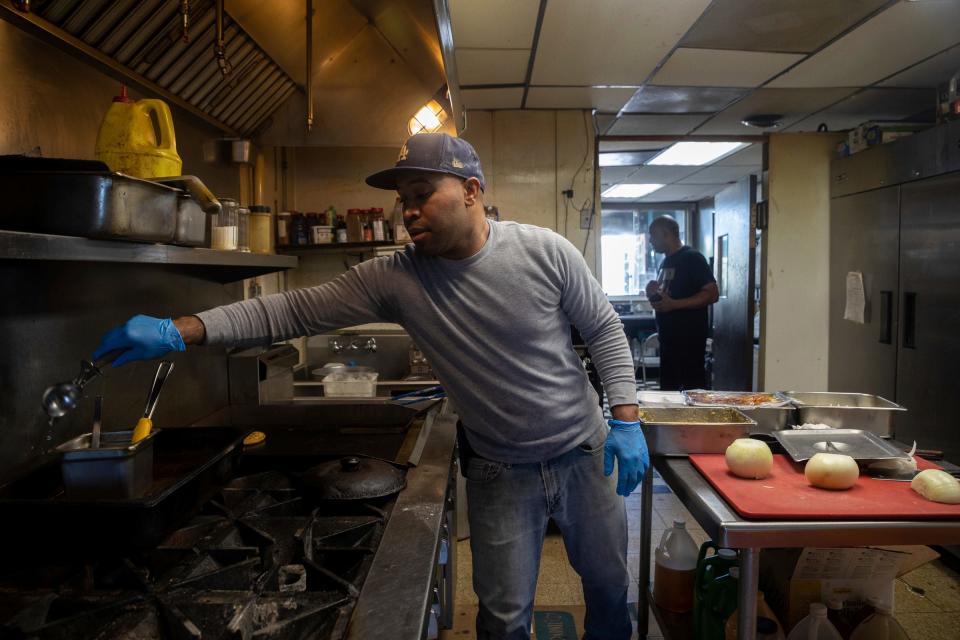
786,495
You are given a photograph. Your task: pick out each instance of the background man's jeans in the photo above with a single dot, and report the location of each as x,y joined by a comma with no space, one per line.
509,507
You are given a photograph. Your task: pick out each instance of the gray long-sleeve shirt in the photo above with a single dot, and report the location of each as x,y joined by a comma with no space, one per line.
495,327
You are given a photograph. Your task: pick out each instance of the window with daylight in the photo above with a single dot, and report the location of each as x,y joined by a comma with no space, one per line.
628,260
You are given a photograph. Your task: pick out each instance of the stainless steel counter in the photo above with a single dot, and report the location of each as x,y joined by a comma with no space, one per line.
728,529
399,590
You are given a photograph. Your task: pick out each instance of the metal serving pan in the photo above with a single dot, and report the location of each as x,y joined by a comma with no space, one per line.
680,431
190,465
116,469
846,411
801,445
91,204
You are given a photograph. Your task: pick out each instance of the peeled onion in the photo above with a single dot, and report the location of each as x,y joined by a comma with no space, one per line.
937,485
832,471
749,458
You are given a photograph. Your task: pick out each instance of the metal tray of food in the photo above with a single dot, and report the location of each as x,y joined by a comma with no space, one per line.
801,445
91,204
680,431
118,468
846,411
190,465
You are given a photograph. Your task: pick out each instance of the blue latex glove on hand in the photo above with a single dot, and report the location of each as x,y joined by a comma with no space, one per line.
142,338
626,443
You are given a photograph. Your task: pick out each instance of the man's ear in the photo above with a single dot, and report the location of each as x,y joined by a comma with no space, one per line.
471,191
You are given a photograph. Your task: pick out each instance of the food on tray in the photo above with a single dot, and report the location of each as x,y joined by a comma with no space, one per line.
749,458
813,425
832,471
733,399
937,485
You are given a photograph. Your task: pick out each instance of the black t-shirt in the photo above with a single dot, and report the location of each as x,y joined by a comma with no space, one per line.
683,275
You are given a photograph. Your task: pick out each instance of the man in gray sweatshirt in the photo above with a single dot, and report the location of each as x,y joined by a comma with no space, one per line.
490,304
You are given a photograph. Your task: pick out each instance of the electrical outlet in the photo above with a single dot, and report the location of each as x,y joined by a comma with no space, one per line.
585,218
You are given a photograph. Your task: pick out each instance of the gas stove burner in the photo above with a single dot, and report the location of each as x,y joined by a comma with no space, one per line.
260,561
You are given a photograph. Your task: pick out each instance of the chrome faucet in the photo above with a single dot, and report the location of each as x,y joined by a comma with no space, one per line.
355,344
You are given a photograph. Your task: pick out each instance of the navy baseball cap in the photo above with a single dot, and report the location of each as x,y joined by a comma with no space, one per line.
433,152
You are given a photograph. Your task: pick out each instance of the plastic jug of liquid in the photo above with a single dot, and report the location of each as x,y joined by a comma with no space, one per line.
709,567
127,141
815,626
838,616
880,626
719,603
765,617
674,569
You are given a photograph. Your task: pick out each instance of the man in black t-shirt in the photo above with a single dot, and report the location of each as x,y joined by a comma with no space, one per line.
680,295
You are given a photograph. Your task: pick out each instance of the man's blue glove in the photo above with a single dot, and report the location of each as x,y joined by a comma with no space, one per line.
141,338
626,442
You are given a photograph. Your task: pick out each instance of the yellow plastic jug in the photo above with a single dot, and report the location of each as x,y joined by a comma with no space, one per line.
128,144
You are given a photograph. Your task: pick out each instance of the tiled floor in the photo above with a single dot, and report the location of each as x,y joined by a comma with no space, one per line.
927,601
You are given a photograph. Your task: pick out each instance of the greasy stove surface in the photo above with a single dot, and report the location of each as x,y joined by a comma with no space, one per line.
261,560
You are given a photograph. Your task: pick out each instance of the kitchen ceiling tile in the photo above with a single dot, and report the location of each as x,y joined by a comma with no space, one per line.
752,156
625,158
898,37
620,44
679,193
792,104
492,98
604,120
603,98
613,175
929,73
873,104
796,26
652,99
662,174
498,24
723,68
492,66
642,145
715,174
654,125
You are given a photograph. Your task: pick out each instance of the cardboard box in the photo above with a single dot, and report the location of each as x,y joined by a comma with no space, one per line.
792,579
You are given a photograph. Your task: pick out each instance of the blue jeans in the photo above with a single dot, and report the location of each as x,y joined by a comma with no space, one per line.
509,506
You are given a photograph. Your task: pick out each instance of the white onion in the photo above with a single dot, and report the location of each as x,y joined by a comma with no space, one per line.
832,471
904,465
749,458
937,485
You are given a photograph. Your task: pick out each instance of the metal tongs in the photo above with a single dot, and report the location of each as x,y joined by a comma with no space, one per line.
63,397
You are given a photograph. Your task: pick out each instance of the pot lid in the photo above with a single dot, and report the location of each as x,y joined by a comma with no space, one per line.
354,478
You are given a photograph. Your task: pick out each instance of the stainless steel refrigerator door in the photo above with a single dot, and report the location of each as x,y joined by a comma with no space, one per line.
929,357
864,231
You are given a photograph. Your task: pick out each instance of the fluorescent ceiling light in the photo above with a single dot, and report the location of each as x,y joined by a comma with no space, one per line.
696,154
630,190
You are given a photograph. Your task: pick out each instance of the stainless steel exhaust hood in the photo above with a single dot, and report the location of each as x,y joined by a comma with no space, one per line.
374,63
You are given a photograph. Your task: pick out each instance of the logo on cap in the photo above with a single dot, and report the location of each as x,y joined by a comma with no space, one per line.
457,164
404,152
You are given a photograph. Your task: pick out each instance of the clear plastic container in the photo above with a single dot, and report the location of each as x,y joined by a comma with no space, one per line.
243,229
353,384
675,569
880,626
815,626
223,226
261,235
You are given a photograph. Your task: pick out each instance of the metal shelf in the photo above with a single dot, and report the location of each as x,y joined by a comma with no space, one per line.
335,246
221,266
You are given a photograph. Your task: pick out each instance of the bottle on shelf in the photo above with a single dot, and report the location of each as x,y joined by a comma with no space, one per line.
881,625
299,231
719,602
709,568
283,229
243,229
765,616
313,226
341,229
838,617
815,626
367,232
379,233
675,568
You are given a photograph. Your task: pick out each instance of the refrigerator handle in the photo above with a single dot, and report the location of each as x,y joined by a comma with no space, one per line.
886,317
910,320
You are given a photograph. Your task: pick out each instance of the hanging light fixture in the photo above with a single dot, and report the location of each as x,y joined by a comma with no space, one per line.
428,119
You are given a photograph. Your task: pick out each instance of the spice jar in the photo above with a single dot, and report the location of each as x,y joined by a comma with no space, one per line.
243,229
261,237
283,229
379,230
224,226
